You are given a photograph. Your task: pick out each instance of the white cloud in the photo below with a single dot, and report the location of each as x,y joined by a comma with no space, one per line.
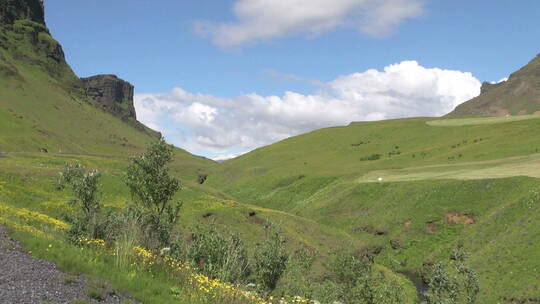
211,125
501,80
225,157
260,20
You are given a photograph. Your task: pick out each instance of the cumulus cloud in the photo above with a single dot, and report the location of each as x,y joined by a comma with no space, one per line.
206,124
260,20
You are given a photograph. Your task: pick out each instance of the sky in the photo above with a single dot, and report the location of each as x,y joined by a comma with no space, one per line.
220,78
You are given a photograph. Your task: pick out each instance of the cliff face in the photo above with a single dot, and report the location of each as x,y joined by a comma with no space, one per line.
115,96
13,10
519,95
112,94
25,39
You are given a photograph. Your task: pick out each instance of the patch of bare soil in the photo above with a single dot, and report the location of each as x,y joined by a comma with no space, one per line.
430,227
456,218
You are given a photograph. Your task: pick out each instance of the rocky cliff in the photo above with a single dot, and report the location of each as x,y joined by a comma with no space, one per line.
24,38
518,95
114,96
13,10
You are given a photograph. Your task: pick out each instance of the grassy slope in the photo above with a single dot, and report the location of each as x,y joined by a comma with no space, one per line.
41,107
445,168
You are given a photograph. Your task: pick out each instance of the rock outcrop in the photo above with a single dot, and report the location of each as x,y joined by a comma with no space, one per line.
13,10
518,95
115,96
24,20
112,94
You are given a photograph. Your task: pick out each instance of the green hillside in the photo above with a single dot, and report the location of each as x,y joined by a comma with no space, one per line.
444,181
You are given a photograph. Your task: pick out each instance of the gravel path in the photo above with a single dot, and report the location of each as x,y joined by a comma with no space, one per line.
26,280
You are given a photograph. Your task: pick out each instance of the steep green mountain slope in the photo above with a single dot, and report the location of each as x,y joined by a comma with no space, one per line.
443,182
42,102
518,95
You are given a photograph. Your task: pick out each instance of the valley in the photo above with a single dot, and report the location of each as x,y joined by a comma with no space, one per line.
403,192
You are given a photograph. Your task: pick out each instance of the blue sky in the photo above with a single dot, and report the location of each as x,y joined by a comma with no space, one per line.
194,85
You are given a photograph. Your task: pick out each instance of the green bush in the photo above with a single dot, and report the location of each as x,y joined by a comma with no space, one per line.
298,268
218,255
152,189
126,236
371,157
358,282
87,218
452,282
270,261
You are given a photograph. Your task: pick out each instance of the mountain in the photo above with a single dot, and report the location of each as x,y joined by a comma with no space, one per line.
518,95
44,105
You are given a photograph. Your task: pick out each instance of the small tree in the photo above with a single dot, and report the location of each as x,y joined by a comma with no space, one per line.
152,188
270,261
86,219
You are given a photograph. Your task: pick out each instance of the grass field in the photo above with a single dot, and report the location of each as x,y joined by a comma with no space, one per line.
458,122
507,167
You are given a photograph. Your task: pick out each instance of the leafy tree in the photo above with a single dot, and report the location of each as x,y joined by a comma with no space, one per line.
87,218
152,189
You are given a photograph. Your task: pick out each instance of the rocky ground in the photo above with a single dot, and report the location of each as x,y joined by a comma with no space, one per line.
26,280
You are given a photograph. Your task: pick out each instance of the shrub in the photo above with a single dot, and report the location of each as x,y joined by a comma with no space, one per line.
298,268
452,282
152,189
270,261
87,220
126,236
218,255
359,282
371,157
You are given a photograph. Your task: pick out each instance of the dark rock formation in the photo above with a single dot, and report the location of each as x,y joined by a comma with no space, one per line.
518,95
115,96
25,21
112,94
13,10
